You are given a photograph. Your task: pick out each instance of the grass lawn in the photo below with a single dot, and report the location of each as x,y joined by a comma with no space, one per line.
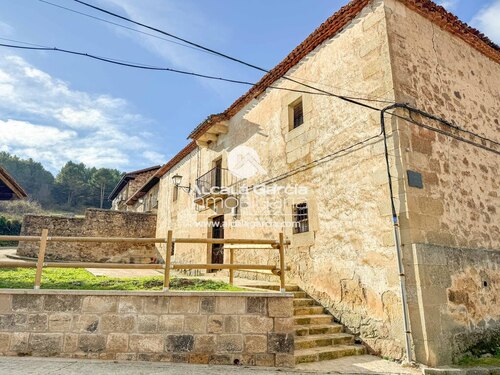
470,361
81,279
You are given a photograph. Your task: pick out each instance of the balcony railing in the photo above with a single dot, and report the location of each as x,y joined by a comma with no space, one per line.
216,182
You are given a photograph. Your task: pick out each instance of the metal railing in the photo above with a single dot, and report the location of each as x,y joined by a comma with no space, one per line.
44,239
215,181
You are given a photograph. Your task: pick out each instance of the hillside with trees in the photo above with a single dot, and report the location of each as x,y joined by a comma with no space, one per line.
73,189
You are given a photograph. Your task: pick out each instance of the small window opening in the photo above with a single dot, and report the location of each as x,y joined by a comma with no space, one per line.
298,114
300,218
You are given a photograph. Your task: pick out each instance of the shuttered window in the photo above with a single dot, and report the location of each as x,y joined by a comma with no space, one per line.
300,218
298,114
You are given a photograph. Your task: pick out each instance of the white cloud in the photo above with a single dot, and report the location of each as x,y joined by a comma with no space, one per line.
5,28
487,21
44,118
448,4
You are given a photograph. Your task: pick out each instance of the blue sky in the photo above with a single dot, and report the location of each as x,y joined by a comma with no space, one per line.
56,107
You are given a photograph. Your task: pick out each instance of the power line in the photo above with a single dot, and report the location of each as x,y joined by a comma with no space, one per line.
122,26
353,100
188,46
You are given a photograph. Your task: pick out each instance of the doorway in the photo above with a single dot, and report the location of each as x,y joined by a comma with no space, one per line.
217,253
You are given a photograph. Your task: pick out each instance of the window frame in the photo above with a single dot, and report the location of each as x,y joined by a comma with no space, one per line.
292,114
300,225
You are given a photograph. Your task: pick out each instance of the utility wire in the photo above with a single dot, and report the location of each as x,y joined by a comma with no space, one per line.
191,47
122,26
342,97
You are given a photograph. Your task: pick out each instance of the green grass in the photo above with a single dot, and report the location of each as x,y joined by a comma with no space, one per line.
80,279
470,361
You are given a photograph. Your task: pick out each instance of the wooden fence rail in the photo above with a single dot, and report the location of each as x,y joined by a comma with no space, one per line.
44,239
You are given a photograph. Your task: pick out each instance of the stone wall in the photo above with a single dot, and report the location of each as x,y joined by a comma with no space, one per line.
96,223
449,227
254,329
454,301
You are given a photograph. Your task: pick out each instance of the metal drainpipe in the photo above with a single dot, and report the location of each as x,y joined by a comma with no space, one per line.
395,221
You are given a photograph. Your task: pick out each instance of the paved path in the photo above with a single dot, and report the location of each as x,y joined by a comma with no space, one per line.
54,366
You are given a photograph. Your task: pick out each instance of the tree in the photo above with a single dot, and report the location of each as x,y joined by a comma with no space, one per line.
104,180
71,182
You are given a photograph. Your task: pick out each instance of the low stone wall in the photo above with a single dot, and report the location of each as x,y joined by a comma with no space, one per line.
454,300
253,329
96,223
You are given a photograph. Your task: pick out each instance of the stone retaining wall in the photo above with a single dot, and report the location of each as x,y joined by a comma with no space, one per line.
206,328
96,223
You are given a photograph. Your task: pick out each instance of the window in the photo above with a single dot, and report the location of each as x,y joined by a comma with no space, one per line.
297,114
300,218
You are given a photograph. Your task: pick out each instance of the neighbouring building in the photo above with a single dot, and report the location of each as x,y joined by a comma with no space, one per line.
285,157
128,186
9,188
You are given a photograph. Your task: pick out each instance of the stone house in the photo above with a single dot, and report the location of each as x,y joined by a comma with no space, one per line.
9,188
315,166
130,186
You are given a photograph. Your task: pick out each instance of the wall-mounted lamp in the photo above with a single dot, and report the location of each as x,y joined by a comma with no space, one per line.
177,179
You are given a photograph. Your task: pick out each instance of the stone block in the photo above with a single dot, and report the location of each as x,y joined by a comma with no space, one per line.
70,343
19,342
156,305
27,303
255,343
130,305
117,342
230,305
85,323
90,343
207,305
285,360
37,322
215,324
264,360
118,323
62,303
184,305
204,344
280,307
126,356
199,358
13,322
171,323
100,304
47,343
280,343
283,325
230,343
220,359
179,343
147,323
195,324
231,324
179,357
60,322
146,343
257,305
4,342
255,324
5,304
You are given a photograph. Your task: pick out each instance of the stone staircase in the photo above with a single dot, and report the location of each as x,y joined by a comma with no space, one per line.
317,337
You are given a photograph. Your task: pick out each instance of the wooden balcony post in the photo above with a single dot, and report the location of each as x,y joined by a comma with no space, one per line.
231,271
282,262
41,258
168,257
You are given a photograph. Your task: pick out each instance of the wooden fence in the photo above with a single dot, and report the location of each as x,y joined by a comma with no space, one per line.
44,239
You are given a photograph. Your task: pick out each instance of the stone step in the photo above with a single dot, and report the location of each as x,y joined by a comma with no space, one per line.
315,341
288,288
312,319
310,329
304,302
299,294
327,353
308,310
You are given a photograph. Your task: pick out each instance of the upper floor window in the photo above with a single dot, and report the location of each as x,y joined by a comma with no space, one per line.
296,114
300,218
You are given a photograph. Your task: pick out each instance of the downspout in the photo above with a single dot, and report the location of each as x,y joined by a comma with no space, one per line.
397,239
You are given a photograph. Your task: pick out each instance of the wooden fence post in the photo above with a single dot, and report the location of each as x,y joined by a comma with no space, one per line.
41,258
168,257
282,263
231,271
